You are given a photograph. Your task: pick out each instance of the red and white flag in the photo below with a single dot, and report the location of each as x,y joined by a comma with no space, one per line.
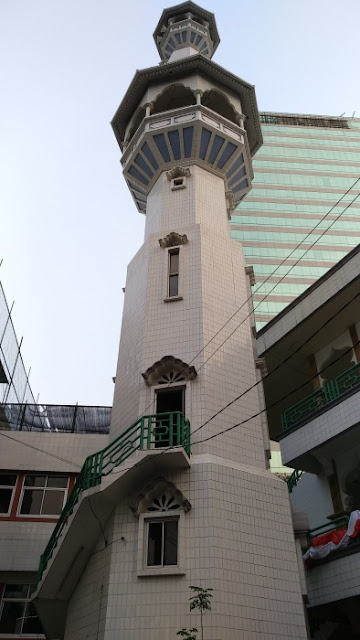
333,540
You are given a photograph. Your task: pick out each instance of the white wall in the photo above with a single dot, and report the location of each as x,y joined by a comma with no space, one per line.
312,495
239,541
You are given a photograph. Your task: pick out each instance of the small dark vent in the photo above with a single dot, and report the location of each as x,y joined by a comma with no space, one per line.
303,121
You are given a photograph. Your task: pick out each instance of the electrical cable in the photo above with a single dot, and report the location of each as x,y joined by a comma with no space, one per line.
280,364
267,279
271,406
275,285
99,522
225,324
289,255
31,446
274,404
226,406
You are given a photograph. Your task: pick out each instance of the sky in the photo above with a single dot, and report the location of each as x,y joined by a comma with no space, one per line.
69,226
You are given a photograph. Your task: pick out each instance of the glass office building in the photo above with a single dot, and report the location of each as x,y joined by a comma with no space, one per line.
306,169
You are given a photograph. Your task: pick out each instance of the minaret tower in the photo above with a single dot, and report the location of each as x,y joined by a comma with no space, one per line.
188,129
183,496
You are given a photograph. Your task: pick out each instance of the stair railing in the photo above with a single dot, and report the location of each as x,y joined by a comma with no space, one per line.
159,430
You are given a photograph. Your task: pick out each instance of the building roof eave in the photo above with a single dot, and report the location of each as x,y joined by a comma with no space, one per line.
175,70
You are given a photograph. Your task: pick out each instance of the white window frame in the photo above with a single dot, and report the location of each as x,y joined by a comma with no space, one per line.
44,489
6,486
143,570
178,296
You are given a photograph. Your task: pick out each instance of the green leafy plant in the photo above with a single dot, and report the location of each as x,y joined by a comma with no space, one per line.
201,601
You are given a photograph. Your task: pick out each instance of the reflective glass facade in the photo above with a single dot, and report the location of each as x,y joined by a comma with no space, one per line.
303,169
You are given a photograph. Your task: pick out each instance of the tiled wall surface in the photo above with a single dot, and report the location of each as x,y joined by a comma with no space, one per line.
21,543
341,576
214,289
238,535
238,541
57,452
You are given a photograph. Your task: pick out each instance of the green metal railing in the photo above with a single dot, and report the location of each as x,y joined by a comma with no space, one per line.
148,432
321,397
342,522
294,479
332,525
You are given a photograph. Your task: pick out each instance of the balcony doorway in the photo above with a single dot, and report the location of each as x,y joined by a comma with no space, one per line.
168,401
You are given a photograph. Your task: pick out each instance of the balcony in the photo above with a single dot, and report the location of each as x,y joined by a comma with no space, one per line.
320,399
166,436
191,134
322,424
332,559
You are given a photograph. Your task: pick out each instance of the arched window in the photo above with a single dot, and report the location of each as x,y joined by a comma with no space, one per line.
161,510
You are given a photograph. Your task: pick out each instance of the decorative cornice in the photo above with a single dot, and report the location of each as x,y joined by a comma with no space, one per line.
230,203
153,373
261,365
249,270
158,487
173,239
178,172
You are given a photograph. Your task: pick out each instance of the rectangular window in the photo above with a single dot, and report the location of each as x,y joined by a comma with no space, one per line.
173,287
17,614
43,495
7,490
162,543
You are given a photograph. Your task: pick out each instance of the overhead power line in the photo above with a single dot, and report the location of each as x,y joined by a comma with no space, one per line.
282,263
225,324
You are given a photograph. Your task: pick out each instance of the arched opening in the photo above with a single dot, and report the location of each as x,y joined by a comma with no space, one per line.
137,120
169,370
217,102
160,495
174,97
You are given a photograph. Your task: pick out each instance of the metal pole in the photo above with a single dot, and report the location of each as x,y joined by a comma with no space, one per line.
13,372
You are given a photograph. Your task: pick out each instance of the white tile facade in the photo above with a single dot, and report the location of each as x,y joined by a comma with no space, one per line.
339,578
213,287
238,533
239,541
22,543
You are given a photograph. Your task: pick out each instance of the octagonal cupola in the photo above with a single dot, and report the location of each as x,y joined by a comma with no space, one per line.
187,111
185,30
